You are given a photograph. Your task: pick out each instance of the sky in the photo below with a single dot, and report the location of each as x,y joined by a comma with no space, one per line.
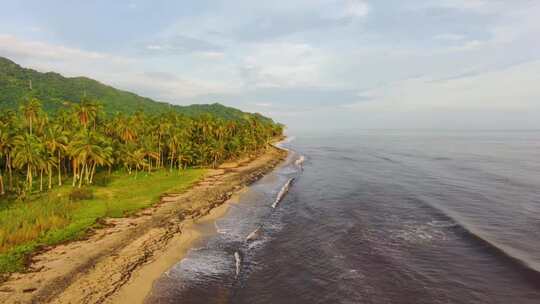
311,64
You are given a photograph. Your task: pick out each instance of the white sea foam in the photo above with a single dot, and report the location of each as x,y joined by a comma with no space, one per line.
201,265
256,244
288,139
220,230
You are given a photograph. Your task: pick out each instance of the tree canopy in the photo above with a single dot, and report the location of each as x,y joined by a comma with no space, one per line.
77,140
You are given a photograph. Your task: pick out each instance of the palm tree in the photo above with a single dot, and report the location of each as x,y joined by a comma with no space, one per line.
124,129
162,129
31,110
46,164
56,144
87,111
217,151
137,160
50,162
88,151
132,158
9,126
3,143
149,150
33,143
27,154
185,156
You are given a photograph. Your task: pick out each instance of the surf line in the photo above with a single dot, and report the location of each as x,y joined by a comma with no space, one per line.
283,192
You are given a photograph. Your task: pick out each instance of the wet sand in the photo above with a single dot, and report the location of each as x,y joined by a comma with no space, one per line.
119,263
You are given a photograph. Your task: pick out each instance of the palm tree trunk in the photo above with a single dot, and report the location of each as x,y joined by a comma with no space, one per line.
8,166
172,160
50,176
2,191
40,180
159,149
29,177
92,173
86,174
74,173
59,169
81,174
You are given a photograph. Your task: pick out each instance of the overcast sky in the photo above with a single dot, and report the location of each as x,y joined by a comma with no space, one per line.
311,64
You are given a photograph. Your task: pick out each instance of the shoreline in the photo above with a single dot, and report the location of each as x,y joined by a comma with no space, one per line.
120,262
142,280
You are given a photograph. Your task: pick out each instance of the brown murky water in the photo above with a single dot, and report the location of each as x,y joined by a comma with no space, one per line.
379,217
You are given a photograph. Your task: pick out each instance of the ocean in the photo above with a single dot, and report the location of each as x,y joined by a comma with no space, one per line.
377,217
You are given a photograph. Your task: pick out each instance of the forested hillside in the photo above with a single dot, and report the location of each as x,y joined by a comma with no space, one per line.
55,91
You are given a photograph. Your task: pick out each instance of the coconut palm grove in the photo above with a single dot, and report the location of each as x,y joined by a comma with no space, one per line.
66,163
41,150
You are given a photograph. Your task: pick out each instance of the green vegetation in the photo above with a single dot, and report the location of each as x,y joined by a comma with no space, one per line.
65,163
51,218
55,92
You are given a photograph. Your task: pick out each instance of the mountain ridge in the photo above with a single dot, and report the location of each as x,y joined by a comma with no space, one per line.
18,83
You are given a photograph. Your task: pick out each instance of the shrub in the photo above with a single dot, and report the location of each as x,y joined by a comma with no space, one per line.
78,194
102,180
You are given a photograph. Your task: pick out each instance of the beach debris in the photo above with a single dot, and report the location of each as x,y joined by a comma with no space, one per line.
282,192
238,262
254,235
300,161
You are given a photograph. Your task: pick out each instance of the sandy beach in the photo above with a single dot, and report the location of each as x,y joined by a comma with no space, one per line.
119,263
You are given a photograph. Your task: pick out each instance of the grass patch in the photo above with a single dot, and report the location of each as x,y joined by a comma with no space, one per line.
79,194
55,217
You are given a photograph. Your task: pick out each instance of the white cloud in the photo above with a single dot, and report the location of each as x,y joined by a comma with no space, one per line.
449,37
463,4
518,23
263,104
171,88
211,55
122,72
342,9
497,90
356,8
468,46
284,64
154,47
12,46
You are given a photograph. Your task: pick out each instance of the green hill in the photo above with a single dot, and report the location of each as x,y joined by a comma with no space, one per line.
54,90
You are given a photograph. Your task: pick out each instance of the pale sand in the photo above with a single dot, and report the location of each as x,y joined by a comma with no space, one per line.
142,280
119,264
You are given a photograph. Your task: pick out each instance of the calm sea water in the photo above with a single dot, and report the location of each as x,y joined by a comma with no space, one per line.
379,217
